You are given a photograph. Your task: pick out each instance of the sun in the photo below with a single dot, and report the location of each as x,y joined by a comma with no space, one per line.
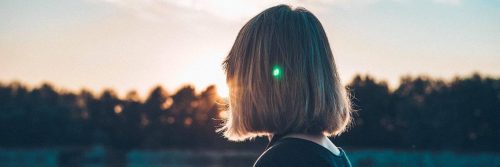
222,90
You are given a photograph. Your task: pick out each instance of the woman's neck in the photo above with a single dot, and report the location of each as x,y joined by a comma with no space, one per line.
319,139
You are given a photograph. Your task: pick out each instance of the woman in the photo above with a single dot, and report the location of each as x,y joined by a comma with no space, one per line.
284,84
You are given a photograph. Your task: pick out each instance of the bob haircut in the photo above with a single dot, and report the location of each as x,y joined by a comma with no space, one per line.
282,78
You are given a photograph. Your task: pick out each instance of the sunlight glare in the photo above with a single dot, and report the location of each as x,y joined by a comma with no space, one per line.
223,114
118,109
222,90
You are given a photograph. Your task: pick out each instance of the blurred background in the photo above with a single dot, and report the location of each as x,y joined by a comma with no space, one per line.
140,83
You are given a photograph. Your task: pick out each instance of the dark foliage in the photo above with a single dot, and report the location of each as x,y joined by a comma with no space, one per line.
421,113
426,113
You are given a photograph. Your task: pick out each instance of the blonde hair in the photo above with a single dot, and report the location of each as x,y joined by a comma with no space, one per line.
282,78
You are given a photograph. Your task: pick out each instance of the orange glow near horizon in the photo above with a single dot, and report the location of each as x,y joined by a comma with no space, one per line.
223,114
223,90
128,46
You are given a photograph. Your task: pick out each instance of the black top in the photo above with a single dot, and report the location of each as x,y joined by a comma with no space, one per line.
296,152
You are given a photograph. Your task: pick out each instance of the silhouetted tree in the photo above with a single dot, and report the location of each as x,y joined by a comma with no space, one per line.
153,109
421,113
374,119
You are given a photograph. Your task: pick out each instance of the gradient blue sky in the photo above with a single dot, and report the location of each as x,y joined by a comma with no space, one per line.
128,45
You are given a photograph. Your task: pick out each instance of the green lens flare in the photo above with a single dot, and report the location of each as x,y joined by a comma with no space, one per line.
277,72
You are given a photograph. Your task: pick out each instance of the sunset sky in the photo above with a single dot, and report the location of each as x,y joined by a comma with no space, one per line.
128,45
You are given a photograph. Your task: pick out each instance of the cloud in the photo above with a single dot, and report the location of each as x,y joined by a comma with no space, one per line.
236,10
157,10
449,2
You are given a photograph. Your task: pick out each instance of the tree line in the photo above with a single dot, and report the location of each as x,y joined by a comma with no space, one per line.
420,113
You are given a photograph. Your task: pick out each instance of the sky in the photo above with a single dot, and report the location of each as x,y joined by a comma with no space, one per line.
135,45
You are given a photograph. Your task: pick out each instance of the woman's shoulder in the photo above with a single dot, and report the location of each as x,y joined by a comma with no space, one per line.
278,155
295,152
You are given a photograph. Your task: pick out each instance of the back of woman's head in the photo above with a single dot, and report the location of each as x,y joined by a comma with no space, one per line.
283,79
